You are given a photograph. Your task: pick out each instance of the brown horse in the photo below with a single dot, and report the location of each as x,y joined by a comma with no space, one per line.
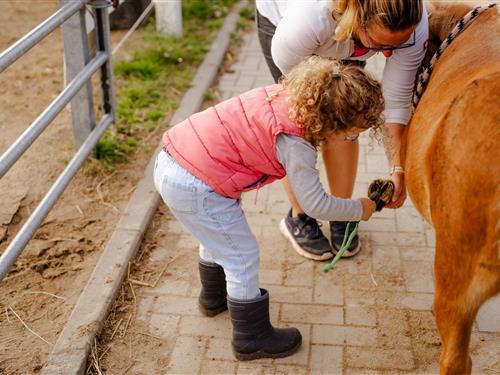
452,162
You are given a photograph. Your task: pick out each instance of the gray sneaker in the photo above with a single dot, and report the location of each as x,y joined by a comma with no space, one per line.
306,237
337,231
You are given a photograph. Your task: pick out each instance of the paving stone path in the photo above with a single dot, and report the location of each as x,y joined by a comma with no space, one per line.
372,314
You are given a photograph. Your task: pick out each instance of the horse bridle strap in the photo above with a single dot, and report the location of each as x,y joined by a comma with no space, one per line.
426,71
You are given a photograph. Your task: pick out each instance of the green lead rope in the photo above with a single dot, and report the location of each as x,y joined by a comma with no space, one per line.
379,191
345,245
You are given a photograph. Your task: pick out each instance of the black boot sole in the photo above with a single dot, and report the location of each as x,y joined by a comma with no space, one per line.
212,312
262,354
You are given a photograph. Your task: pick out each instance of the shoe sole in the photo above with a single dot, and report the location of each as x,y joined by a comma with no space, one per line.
261,354
351,253
212,312
284,230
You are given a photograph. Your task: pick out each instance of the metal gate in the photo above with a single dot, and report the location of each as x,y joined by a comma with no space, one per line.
80,67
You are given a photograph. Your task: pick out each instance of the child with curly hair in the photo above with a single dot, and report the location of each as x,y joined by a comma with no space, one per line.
242,144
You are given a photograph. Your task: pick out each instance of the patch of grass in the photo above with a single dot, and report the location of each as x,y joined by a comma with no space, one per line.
247,18
204,10
139,66
235,38
215,24
108,150
149,84
155,115
125,114
209,95
248,13
139,97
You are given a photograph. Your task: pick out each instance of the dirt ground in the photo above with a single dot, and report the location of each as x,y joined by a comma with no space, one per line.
48,277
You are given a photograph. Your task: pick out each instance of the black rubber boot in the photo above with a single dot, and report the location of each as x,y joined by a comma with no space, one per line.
254,336
212,300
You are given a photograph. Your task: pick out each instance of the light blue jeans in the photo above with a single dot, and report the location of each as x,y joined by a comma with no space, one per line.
216,221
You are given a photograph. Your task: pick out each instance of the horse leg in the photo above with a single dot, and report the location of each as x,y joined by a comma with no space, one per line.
463,284
453,312
455,327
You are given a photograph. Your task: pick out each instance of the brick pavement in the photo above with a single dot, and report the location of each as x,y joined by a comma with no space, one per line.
370,315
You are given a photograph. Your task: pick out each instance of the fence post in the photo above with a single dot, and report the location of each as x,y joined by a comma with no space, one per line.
76,56
103,44
169,16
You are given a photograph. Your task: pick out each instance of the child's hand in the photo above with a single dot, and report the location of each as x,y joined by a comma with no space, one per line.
369,207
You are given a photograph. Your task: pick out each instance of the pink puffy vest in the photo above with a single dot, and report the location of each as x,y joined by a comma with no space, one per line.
232,146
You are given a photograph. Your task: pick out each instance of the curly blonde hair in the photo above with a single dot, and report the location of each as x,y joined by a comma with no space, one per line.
326,97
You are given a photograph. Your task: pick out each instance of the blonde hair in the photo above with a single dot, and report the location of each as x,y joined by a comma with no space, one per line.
395,15
326,96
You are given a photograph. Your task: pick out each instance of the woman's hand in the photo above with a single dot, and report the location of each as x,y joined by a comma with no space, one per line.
369,207
392,134
399,195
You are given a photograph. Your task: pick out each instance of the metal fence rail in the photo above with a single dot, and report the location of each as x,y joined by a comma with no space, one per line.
102,63
24,44
15,151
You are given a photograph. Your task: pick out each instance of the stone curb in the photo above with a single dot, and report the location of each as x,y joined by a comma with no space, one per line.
70,353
